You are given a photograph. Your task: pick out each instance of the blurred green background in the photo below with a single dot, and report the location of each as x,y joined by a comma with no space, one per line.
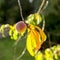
9,13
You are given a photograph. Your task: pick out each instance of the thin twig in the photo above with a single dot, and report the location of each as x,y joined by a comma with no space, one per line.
46,4
20,10
49,39
14,56
43,27
23,52
17,41
53,33
56,34
43,1
15,46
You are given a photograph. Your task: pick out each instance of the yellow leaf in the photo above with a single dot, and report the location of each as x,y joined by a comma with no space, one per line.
29,45
33,42
42,34
36,36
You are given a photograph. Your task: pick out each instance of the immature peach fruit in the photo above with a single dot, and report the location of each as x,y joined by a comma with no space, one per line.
20,26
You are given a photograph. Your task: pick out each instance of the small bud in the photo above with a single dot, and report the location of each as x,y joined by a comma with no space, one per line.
20,26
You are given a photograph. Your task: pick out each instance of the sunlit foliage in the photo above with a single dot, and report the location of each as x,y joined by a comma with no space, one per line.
52,53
